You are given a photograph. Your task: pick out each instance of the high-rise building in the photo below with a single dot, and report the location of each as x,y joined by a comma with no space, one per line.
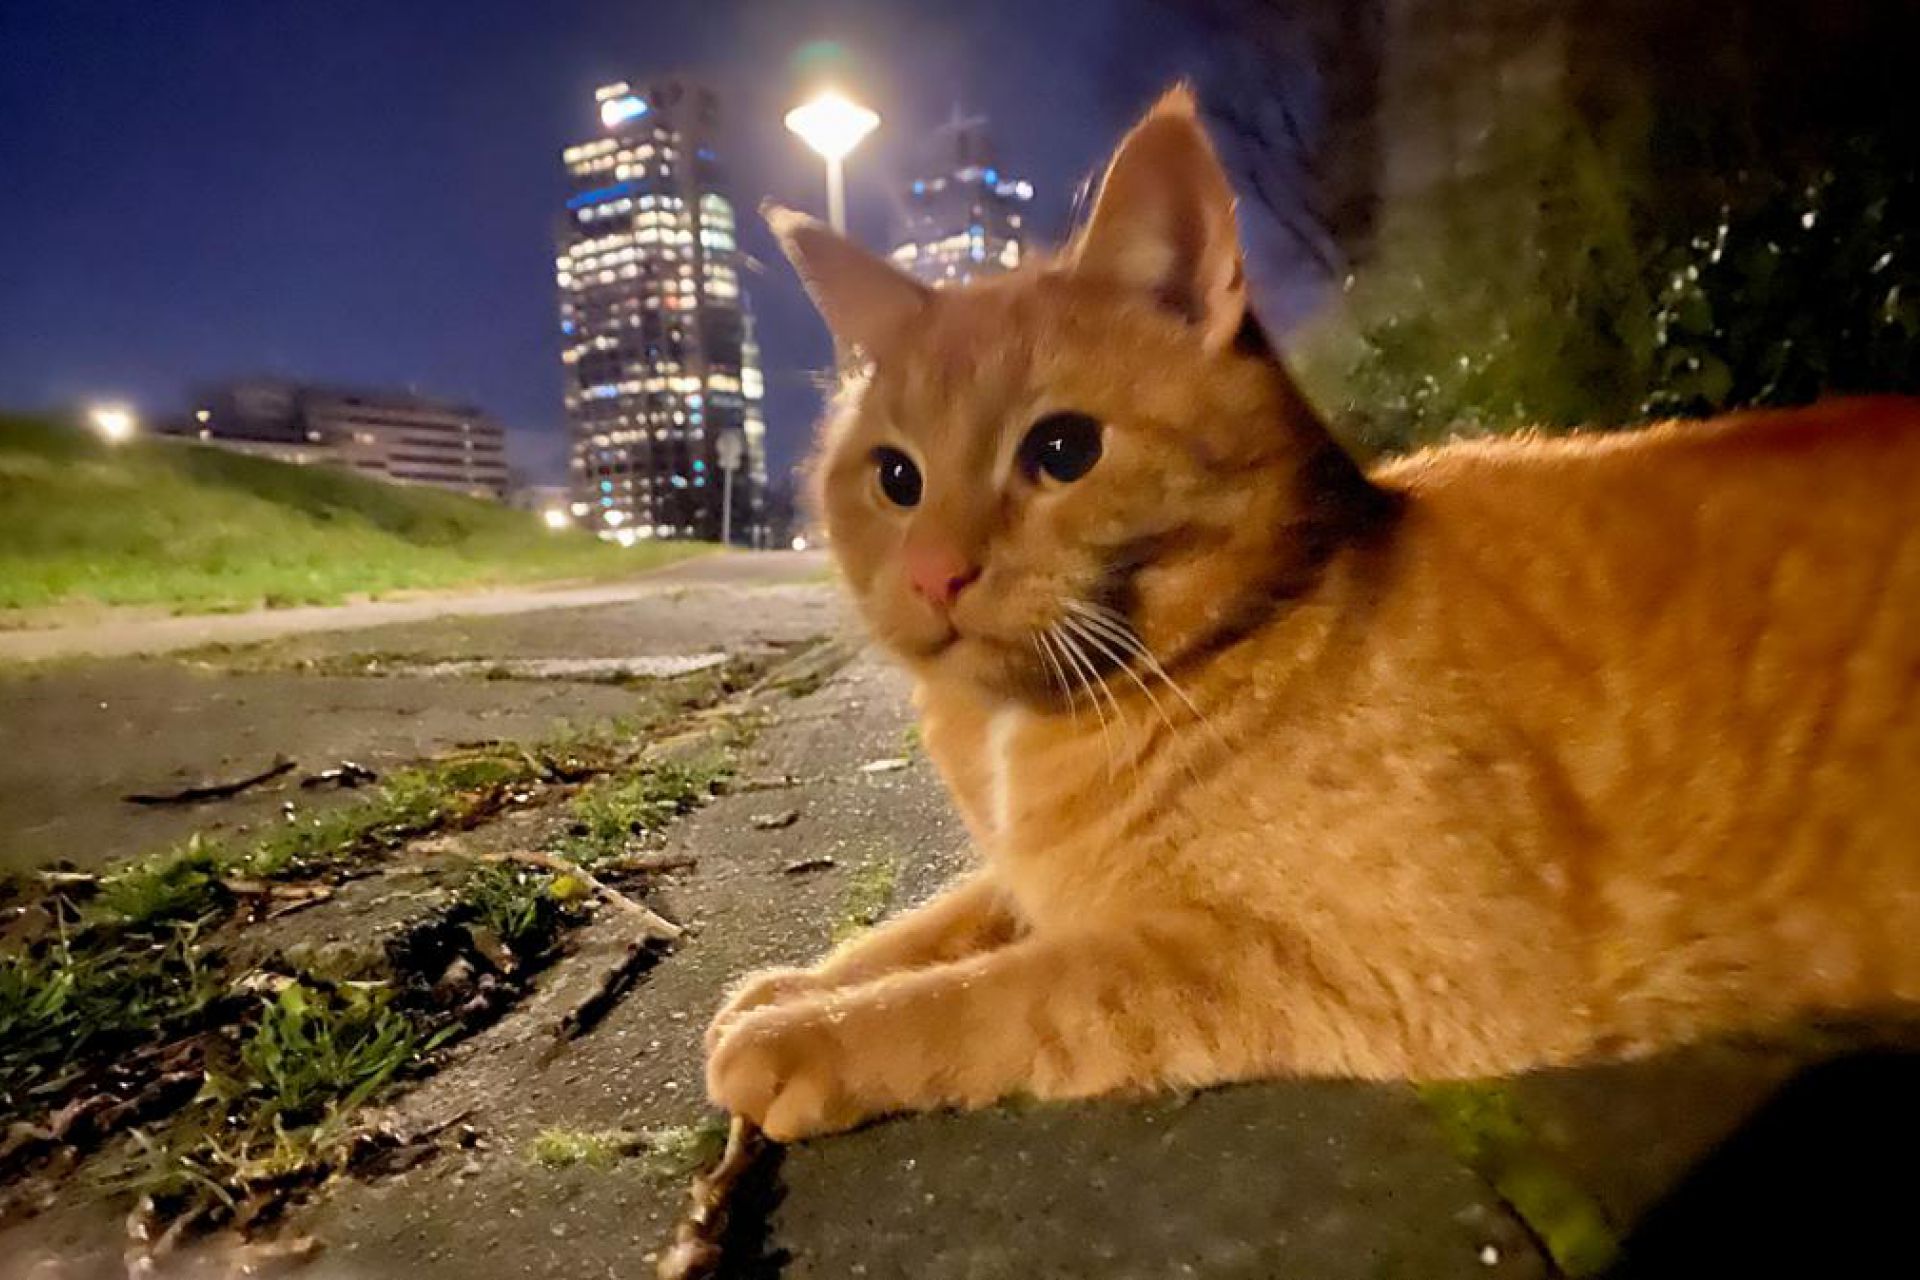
661,363
393,435
964,217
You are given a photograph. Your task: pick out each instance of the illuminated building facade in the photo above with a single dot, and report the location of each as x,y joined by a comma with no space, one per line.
390,435
657,336
964,217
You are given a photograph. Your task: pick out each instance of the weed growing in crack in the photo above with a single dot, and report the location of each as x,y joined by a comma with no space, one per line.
70,1002
178,886
610,815
317,1053
519,906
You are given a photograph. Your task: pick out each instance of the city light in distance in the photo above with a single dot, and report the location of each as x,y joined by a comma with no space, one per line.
799,543
832,124
556,518
115,423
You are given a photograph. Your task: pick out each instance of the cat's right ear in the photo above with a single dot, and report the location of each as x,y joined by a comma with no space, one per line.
865,300
1163,224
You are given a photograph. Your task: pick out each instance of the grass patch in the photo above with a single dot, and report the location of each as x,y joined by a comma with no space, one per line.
272,1115
178,886
440,795
318,1053
1484,1126
609,815
70,1003
200,529
525,909
867,898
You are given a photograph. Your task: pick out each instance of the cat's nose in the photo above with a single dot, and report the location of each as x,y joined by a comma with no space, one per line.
939,573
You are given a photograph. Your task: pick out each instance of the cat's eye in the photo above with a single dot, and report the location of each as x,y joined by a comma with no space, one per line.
1061,446
899,478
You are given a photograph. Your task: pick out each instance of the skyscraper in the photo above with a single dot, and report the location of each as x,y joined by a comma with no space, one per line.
963,216
661,363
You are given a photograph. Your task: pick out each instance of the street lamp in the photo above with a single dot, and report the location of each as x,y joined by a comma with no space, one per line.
833,125
115,423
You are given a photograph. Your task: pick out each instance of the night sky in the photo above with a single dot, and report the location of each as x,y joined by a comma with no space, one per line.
367,192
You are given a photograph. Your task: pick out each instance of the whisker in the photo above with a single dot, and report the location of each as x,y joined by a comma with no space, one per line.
1084,670
1105,644
1070,631
1122,632
1043,641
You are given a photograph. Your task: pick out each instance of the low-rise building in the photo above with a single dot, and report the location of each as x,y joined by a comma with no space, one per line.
393,435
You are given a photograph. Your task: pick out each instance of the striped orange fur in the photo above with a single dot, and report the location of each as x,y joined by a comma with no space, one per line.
1511,753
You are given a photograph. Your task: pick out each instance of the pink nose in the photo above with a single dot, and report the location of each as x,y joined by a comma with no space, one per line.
939,573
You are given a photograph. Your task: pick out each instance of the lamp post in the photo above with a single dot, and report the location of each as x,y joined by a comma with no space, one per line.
833,125
731,450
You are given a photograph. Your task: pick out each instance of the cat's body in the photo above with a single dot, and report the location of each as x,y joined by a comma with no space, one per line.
1513,753
1601,743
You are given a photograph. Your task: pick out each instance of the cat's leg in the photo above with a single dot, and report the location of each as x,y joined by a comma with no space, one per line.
1049,1016
972,916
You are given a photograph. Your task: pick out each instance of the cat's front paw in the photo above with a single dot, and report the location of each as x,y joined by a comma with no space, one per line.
761,988
783,1069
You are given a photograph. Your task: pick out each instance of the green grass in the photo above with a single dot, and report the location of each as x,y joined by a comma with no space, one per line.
198,529
524,909
71,1002
315,1054
180,885
608,816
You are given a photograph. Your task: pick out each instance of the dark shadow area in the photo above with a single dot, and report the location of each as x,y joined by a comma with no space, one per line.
1819,1182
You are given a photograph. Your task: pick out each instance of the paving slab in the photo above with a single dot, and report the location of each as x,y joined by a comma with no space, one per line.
1311,1178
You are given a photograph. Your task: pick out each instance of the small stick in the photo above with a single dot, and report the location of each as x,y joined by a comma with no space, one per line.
214,790
614,983
651,863
654,927
696,1249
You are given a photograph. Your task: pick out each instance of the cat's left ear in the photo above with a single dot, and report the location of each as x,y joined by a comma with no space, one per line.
1163,223
865,300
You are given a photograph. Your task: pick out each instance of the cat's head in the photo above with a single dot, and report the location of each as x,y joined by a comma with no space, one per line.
1086,455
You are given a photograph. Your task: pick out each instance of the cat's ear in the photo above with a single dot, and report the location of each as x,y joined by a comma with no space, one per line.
1163,223
864,299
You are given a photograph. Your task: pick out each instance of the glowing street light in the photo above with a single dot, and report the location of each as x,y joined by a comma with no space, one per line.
556,518
114,422
833,125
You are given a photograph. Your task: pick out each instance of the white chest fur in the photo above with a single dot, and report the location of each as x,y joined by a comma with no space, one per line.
1002,729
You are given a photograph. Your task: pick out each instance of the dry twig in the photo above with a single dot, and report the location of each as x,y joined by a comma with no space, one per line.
654,927
696,1249
213,790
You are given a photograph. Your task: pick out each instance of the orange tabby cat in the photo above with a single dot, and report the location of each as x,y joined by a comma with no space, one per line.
1508,754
